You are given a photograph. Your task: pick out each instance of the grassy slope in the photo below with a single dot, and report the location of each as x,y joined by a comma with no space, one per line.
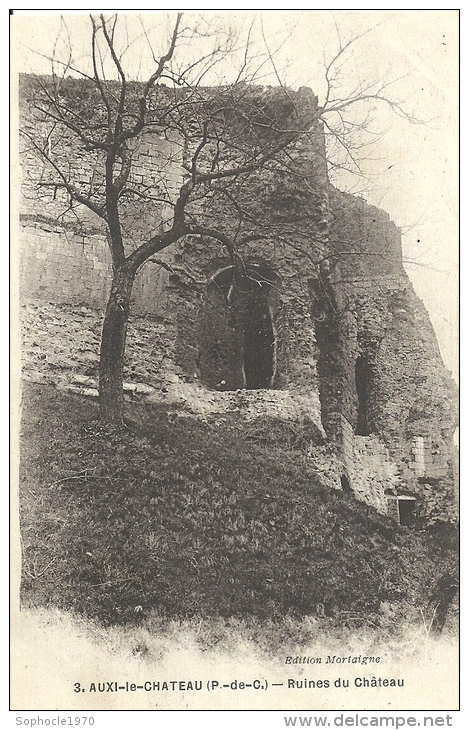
182,518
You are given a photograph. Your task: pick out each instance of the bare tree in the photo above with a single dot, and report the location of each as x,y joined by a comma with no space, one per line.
229,142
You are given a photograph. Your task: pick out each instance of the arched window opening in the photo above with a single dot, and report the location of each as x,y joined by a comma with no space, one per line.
362,384
245,301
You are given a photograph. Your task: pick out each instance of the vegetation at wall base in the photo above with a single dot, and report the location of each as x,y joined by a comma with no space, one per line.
184,517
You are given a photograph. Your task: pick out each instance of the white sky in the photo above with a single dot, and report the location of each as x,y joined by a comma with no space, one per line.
412,171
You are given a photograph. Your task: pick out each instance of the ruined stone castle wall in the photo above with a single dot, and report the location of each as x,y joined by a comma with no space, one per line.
381,325
64,256
344,337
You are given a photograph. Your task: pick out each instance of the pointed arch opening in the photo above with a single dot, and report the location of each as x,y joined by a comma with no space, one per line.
240,348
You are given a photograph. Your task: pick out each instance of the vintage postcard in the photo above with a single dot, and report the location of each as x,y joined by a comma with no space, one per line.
235,350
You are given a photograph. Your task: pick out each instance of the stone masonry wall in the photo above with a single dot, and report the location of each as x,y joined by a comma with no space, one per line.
357,303
174,287
410,394
61,266
60,346
287,248
64,256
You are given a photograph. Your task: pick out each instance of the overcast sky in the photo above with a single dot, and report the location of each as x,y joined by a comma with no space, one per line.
411,170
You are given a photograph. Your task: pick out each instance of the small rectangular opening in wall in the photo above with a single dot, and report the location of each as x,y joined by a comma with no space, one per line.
407,510
402,509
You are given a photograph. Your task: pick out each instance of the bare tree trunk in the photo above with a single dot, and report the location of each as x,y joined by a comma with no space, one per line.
111,396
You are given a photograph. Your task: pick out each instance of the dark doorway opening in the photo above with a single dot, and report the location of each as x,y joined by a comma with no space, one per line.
241,305
407,507
362,384
258,345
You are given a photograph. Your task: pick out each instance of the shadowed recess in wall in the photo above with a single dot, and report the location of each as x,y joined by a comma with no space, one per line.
362,383
238,342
